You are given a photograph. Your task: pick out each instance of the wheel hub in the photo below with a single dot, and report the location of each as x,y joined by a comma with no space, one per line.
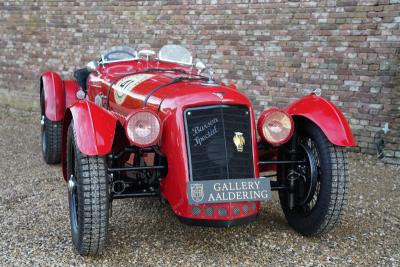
305,175
71,184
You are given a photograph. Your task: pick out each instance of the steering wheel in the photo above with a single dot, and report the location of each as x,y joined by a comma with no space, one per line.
108,56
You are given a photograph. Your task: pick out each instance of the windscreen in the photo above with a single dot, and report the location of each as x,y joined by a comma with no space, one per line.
118,53
176,54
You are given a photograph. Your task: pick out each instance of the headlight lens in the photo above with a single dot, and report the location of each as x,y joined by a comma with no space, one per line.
143,128
275,126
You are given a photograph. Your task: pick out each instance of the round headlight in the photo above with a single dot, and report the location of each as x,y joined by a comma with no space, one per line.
275,126
143,128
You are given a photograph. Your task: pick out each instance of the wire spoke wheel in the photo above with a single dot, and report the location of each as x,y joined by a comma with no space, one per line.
73,202
320,186
306,176
43,134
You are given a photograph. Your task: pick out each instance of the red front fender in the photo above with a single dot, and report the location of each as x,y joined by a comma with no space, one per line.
94,129
54,95
327,116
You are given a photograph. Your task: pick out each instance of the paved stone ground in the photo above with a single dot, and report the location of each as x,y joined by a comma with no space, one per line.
34,222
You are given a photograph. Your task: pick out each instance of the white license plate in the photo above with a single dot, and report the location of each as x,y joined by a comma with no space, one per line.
232,190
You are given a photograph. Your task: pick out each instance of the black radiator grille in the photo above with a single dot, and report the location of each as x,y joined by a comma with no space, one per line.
212,152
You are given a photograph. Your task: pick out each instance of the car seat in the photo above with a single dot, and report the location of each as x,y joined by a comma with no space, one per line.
81,76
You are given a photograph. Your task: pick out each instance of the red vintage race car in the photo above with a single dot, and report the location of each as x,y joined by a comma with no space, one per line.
142,124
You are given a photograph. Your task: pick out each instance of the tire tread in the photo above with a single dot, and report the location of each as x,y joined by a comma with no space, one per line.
53,131
93,208
340,189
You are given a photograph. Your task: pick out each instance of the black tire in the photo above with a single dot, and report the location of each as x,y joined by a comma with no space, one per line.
319,212
50,137
88,191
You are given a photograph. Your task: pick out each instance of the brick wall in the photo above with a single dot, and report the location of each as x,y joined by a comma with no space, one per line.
275,51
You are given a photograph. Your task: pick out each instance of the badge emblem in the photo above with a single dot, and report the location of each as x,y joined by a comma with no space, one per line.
197,192
219,94
239,141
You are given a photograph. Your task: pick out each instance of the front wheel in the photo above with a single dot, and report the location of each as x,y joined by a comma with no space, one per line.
88,194
319,185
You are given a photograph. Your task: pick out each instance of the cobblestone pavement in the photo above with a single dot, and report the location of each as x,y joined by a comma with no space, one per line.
34,220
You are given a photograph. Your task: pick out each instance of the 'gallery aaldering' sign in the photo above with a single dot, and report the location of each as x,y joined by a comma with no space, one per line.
233,190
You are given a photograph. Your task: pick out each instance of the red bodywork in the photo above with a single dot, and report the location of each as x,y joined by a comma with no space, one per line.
58,95
54,96
327,116
96,125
